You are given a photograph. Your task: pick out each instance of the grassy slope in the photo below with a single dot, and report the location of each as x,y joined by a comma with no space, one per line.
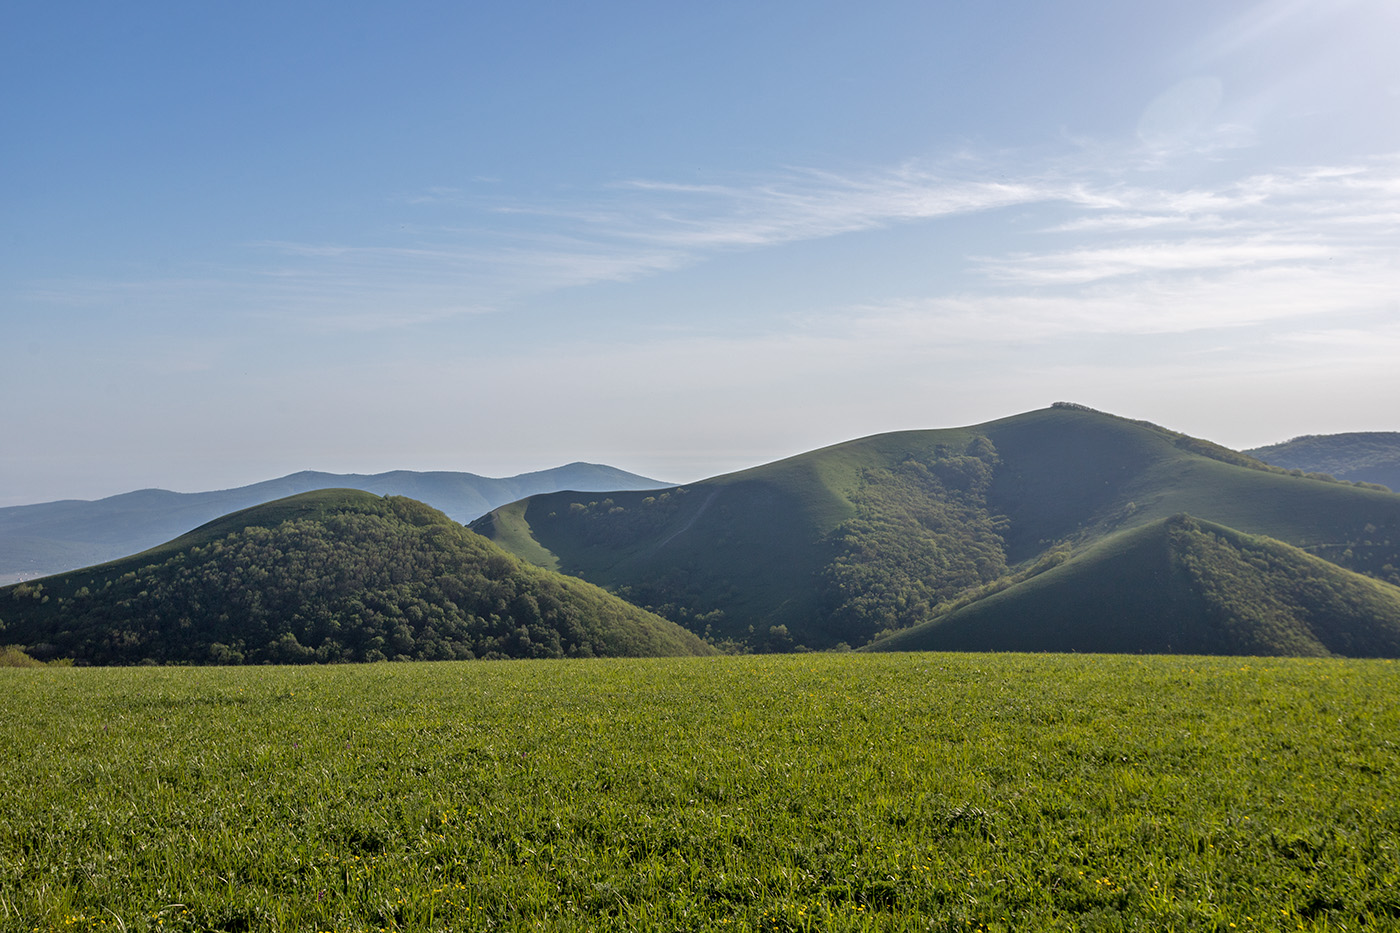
1177,585
363,556
832,792
1070,473
753,545
507,527
747,544
1117,596
735,541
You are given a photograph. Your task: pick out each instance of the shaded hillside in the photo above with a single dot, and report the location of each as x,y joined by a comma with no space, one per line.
51,537
335,575
842,543
1364,456
1182,586
810,551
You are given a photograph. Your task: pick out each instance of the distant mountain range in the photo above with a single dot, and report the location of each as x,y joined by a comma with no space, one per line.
51,537
1064,529
1364,456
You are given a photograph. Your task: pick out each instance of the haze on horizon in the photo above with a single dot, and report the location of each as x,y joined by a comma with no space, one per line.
247,240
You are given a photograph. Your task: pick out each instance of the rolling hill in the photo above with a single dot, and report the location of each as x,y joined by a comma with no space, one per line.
52,537
883,533
1364,456
333,575
1177,586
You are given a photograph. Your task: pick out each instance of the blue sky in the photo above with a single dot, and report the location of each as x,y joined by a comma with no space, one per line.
245,239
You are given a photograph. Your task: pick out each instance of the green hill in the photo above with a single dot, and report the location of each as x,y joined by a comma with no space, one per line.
1178,585
1363,456
334,575
882,533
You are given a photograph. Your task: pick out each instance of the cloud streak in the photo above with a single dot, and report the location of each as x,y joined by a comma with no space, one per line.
1298,226
812,204
1091,264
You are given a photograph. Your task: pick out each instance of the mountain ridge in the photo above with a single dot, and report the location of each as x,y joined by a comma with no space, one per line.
1357,456
843,543
865,542
52,537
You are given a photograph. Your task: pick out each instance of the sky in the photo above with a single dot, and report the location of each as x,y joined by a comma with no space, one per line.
241,240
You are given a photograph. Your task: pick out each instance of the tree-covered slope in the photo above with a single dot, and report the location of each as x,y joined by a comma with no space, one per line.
53,537
1363,456
840,544
335,575
1178,585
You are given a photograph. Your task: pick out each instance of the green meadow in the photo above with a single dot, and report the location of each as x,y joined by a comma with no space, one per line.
953,792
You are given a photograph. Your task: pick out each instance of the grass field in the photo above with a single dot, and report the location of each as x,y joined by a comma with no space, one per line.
800,792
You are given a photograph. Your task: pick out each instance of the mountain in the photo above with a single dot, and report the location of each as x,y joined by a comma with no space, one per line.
887,532
1178,585
1364,456
332,575
51,537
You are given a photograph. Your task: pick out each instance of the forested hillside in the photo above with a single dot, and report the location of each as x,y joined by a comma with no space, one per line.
331,576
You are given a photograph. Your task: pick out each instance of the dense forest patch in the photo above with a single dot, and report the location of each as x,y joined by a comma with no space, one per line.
921,535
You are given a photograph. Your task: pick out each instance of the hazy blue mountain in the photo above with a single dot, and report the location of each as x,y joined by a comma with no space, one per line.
51,537
1360,457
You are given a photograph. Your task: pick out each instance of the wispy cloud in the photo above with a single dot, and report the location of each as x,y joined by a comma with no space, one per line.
619,233
1135,230
1215,300
812,204
1090,264
1126,222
